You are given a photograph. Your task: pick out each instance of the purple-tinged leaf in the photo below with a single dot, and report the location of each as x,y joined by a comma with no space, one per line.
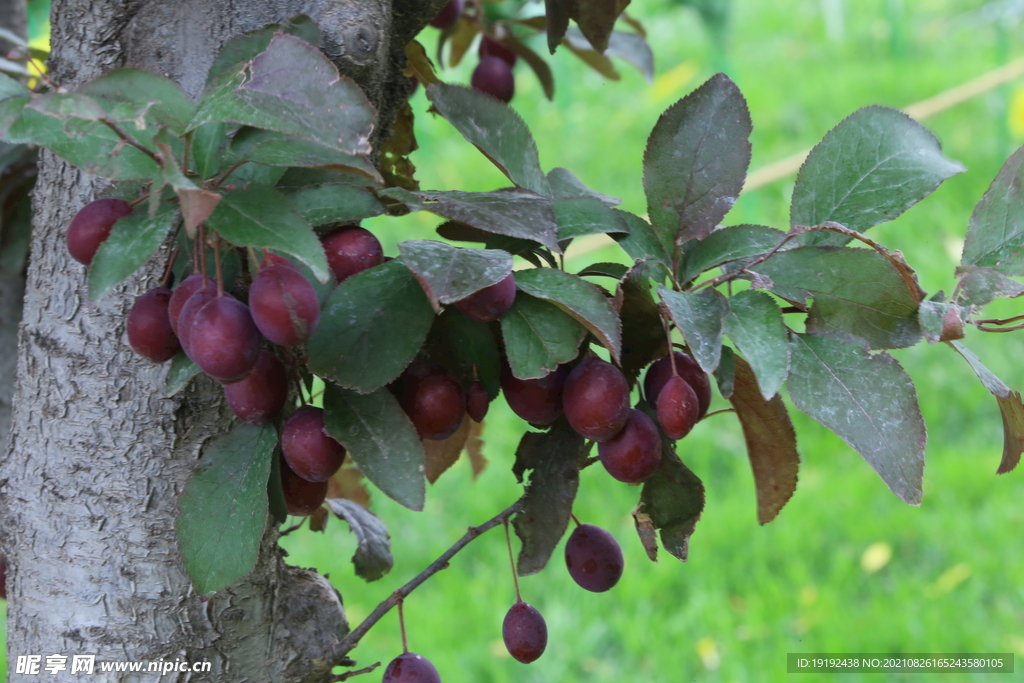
557,13
581,47
643,241
539,336
450,273
566,185
632,48
942,321
673,498
995,238
755,325
132,242
868,400
700,316
244,47
373,557
771,442
980,286
1010,407
869,169
696,160
643,336
596,19
724,246
579,216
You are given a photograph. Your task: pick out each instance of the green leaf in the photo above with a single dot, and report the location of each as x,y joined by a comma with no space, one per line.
586,216
1010,407
869,169
725,373
130,245
995,238
771,442
245,47
700,316
755,325
634,49
578,298
565,185
209,148
856,291
223,510
261,217
11,88
596,18
868,401
643,241
371,328
495,129
643,336
373,552
616,271
539,336
89,145
726,245
181,372
474,351
11,109
673,498
450,274
696,161
511,212
292,88
325,203
276,149
980,286
380,439
557,13
162,99
555,457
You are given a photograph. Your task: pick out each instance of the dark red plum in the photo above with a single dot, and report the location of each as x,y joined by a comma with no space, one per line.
596,399
187,316
477,401
433,399
284,305
678,408
489,47
494,76
149,328
307,448
525,633
411,668
538,401
635,452
594,558
223,340
448,15
301,497
490,303
260,396
351,250
182,293
92,225
688,369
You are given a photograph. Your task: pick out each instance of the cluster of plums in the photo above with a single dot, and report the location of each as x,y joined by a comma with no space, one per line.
595,562
493,74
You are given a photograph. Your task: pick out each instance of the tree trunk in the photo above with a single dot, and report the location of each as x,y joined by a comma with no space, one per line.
98,456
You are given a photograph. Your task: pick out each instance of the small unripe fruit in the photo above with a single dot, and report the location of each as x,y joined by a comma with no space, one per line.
477,402
433,399
489,47
538,401
490,303
149,328
494,76
351,250
635,452
261,395
687,368
678,408
596,399
525,633
284,305
92,225
308,449
223,340
448,15
594,558
301,497
411,668
182,293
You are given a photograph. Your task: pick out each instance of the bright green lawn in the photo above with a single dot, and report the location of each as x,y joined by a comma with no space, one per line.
748,595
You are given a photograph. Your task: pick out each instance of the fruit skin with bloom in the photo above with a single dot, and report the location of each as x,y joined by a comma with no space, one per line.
494,76
491,302
596,399
411,668
350,250
593,558
687,368
91,227
448,15
525,632
635,452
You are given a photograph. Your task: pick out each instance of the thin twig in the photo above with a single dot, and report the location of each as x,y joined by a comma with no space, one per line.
168,269
715,281
349,674
353,638
126,137
294,527
1001,329
719,412
216,182
999,321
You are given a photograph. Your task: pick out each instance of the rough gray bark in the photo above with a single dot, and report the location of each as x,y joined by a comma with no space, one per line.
12,274
98,456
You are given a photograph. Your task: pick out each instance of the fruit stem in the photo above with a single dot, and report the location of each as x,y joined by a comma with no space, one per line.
575,519
216,261
511,562
401,625
168,269
201,249
138,200
671,354
353,638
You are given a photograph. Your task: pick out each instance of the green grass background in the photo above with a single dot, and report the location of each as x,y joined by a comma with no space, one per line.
748,594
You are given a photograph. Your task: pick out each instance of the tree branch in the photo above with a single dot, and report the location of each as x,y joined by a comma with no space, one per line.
353,638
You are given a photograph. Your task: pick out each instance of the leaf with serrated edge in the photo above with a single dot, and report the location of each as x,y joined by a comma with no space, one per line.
243,48
325,203
539,336
700,316
565,185
512,212
373,557
131,243
495,129
223,510
371,327
771,442
755,325
261,217
182,370
163,99
643,241
873,166
726,245
995,238
868,400
673,498
450,273
856,291
643,337
980,286
547,504
1010,407
696,160
380,439
596,19
578,298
